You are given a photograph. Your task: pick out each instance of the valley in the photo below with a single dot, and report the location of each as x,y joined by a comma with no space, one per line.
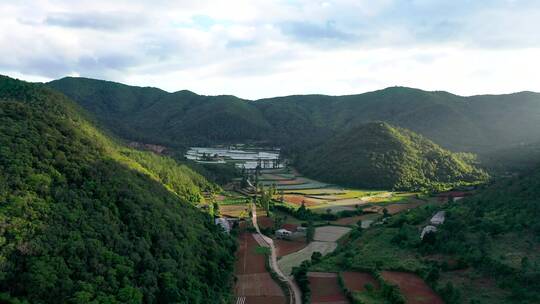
269,152
335,217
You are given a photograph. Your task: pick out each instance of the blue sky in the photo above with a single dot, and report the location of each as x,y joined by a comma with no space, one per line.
255,49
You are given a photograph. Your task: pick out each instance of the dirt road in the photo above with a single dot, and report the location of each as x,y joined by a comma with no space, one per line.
295,294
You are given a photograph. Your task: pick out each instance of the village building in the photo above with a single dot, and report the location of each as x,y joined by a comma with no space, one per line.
283,234
224,223
438,218
426,230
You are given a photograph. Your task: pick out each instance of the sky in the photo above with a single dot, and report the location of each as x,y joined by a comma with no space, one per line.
255,49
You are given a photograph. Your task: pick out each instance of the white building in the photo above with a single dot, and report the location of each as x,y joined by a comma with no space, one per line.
427,229
283,234
438,218
224,223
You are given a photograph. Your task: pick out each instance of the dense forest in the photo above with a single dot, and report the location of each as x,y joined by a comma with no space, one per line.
476,124
378,155
85,220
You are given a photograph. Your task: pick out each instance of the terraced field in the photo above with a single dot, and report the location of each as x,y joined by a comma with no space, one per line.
325,241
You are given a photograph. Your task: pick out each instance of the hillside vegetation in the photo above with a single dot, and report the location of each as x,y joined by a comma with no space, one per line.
84,220
378,155
487,250
472,124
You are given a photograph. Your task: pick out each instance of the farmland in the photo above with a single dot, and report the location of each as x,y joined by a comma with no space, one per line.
254,283
323,200
325,288
412,287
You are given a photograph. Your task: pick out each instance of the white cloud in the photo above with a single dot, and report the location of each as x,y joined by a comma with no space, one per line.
255,48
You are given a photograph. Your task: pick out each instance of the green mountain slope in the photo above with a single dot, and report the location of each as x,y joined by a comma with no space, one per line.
473,124
84,220
377,155
172,119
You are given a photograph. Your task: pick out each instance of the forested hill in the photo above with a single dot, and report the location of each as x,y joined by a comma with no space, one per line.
172,119
378,155
84,220
477,124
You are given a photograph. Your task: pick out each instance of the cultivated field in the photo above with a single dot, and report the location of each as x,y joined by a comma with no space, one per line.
330,233
239,210
356,281
254,284
285,247
366,219
412,287
289,261
325,288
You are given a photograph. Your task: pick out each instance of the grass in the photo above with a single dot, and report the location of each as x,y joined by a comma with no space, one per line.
369,297
289,261
262,250
510,248
474,286
373,250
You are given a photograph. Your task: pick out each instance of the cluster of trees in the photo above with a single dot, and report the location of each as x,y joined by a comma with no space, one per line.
83,220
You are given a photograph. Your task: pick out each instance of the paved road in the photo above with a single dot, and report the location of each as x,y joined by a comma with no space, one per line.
295,294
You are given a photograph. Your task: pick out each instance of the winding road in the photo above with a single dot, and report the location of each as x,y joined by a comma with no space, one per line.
295,296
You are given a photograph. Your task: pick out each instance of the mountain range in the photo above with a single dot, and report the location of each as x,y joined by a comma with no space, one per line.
462,124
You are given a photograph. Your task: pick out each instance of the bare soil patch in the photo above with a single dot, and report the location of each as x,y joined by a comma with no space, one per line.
298,199
325,288
413,288
254,284
248,261
285,247
396,208
330,233
356,281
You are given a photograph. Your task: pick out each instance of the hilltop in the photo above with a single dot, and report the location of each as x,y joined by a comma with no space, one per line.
378,155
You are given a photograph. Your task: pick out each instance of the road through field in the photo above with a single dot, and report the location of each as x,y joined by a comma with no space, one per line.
295,294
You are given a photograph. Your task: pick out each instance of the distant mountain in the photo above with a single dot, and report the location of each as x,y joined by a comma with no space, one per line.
378,155
172,119
472,124
86,220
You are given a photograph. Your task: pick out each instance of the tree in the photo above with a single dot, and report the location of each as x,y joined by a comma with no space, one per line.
310,231
316,257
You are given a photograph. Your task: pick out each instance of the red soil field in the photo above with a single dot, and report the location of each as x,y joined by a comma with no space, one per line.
298,199
284,247
254,283
396,208
290,227
247,260
265,222
264,300
325,288
290,182
413,288
351,220
355,281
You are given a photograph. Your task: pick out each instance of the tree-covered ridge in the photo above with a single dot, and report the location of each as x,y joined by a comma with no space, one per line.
377,155
474,124
83,220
